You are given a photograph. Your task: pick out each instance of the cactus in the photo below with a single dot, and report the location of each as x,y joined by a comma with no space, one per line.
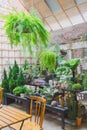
79,110
72,105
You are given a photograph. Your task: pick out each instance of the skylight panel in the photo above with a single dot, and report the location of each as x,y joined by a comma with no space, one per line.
34,12
80,1
85,16
76,20
53,5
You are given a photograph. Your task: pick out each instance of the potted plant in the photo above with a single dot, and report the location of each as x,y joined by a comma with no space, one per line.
19,90
28,73
47,60
48,93
79,116
62,70
72,64
29,91
76,86
26,30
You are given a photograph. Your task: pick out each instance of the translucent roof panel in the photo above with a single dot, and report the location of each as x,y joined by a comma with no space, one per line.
65,12
53,5
80,1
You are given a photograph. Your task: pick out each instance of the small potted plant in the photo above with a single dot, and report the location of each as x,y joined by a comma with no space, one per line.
20,90
29,91
23,91
48,93
76,86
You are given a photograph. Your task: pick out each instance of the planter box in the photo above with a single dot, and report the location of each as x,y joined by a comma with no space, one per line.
11,98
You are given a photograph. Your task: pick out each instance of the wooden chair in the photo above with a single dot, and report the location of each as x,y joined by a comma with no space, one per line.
1,95
35,123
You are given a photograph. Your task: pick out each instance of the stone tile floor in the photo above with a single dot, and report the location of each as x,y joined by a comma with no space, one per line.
51,122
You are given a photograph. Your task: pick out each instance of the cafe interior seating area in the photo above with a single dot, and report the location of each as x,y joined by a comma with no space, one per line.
43,64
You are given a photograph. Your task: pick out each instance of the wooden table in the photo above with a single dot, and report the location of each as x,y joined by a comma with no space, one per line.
10,115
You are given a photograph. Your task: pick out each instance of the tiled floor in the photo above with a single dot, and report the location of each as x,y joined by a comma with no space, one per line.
51,122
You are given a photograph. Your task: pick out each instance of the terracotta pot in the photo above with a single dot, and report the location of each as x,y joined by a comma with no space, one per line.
79,121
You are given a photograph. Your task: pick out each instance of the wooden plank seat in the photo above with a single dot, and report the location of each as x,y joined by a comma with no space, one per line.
28,125
37,109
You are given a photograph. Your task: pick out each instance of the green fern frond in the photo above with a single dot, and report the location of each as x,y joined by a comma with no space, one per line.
26,30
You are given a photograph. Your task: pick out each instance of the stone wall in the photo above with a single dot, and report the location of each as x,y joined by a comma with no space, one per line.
77,50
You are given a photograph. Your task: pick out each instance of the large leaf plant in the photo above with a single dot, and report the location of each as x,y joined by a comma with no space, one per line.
72,64
26,30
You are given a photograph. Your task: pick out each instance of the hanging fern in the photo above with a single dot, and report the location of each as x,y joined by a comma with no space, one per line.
26,30
47,60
